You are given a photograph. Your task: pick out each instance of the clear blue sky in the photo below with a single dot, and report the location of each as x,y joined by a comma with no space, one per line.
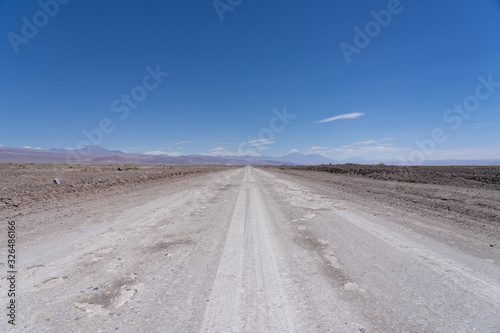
227,76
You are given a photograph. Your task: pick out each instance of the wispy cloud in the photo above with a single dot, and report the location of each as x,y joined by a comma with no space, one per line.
28,147
319,148
371,150
181,142
159,152
467,154
262,142
293,151
368,142
133,148
219,151
229,143
342,116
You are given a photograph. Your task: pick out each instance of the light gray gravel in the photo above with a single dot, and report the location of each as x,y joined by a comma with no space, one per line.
244,250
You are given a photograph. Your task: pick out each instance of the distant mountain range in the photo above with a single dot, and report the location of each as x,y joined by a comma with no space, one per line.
90,149
97,154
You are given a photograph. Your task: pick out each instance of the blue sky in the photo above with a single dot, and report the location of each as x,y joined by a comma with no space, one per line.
228,79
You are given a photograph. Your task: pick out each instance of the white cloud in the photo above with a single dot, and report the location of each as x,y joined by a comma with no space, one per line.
260,143
181,142
221,153
319,148
159,152
342,116
129,149
381,152
38,148
492,153
293,151
1,145
248,153
262,148
369,149
368,142
260,140
28,147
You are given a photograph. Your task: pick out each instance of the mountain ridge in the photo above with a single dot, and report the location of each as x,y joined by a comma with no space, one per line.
97,154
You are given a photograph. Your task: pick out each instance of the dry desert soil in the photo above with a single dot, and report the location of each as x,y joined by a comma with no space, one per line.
252,249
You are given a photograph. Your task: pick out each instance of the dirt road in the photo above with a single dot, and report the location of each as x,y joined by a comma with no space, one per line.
247,250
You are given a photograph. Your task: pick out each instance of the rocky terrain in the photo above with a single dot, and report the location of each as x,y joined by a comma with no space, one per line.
456,199
28,184
467,176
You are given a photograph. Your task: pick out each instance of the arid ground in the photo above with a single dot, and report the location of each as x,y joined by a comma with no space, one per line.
253,249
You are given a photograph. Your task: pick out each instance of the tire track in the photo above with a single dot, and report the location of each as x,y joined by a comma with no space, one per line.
221,312
248,293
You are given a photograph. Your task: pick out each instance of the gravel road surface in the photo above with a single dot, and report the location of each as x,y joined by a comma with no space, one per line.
249,250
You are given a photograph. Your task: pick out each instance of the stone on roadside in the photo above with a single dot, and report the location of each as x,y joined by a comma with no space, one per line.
58,181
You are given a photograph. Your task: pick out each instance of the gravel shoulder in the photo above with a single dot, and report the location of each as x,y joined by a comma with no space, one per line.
89,193
390,264
463,215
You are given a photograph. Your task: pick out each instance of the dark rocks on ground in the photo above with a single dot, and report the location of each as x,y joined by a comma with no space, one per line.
465,176
58,181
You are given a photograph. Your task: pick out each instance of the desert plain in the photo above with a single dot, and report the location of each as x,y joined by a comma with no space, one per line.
331,248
